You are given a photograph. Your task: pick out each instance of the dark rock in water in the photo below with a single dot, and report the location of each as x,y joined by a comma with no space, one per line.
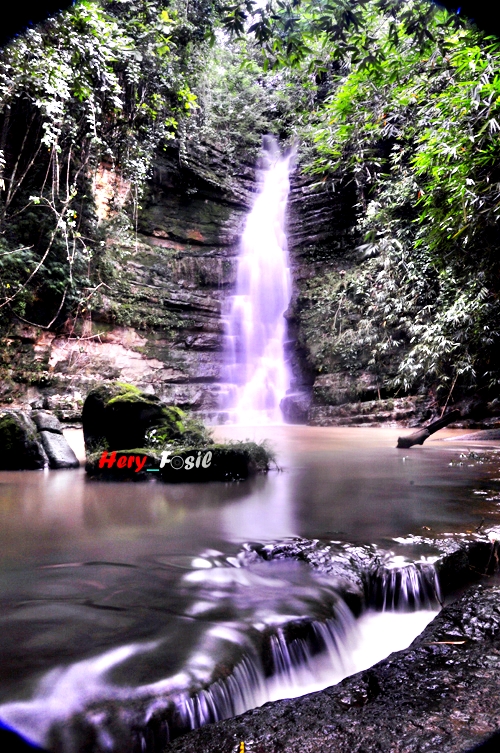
23,448
295,407
58,451
126,431
20,446
118,416
367,575
438,694
46,421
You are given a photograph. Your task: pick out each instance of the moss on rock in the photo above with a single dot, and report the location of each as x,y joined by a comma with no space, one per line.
21,449
120,416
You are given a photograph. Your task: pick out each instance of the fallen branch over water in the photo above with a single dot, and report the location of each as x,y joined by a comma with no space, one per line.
419,437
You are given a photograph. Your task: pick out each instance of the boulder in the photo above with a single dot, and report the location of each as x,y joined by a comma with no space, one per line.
20,445
119,416
58,451
295,407
46,421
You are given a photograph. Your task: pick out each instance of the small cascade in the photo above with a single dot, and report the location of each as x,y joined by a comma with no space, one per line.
404,588
80,703
255,366
270,652
295,659
320,650
243,689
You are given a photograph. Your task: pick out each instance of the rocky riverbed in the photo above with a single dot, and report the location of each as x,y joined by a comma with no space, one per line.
441,693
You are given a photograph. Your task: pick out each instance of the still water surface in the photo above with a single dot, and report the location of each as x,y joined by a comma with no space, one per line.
128,590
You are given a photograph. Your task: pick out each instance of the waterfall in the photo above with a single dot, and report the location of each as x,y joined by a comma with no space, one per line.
408,587
254,358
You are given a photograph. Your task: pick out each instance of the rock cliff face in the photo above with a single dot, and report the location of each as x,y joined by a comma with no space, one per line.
159,320
158,323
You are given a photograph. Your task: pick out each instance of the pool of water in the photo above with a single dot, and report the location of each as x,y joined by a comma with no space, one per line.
139,590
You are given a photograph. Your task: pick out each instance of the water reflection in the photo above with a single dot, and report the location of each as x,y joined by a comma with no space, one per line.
88,567
267,513
348,483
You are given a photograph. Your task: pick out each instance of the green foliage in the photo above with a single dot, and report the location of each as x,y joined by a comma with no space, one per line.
177,429
261,454
239,102
418,132
291,32
103,82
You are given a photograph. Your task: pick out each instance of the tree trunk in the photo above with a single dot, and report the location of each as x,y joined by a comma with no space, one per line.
421,435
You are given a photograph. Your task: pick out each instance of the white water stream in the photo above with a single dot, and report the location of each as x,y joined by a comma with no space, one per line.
86,694
256,368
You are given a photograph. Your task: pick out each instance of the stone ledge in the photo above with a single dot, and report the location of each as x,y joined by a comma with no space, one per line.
402,409
440,694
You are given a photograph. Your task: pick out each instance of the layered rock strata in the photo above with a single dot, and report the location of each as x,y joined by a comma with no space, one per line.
158,323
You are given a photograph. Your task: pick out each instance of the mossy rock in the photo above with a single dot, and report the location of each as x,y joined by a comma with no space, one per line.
120,416
21,448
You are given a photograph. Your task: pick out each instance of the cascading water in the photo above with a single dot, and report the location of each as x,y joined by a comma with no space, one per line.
256,368
404,586
269,642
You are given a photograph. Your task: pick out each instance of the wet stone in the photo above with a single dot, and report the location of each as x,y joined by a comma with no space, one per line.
58,451
46,421
20,444
434,695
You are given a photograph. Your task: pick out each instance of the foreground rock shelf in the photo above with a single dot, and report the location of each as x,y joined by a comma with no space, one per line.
441,693
406,703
